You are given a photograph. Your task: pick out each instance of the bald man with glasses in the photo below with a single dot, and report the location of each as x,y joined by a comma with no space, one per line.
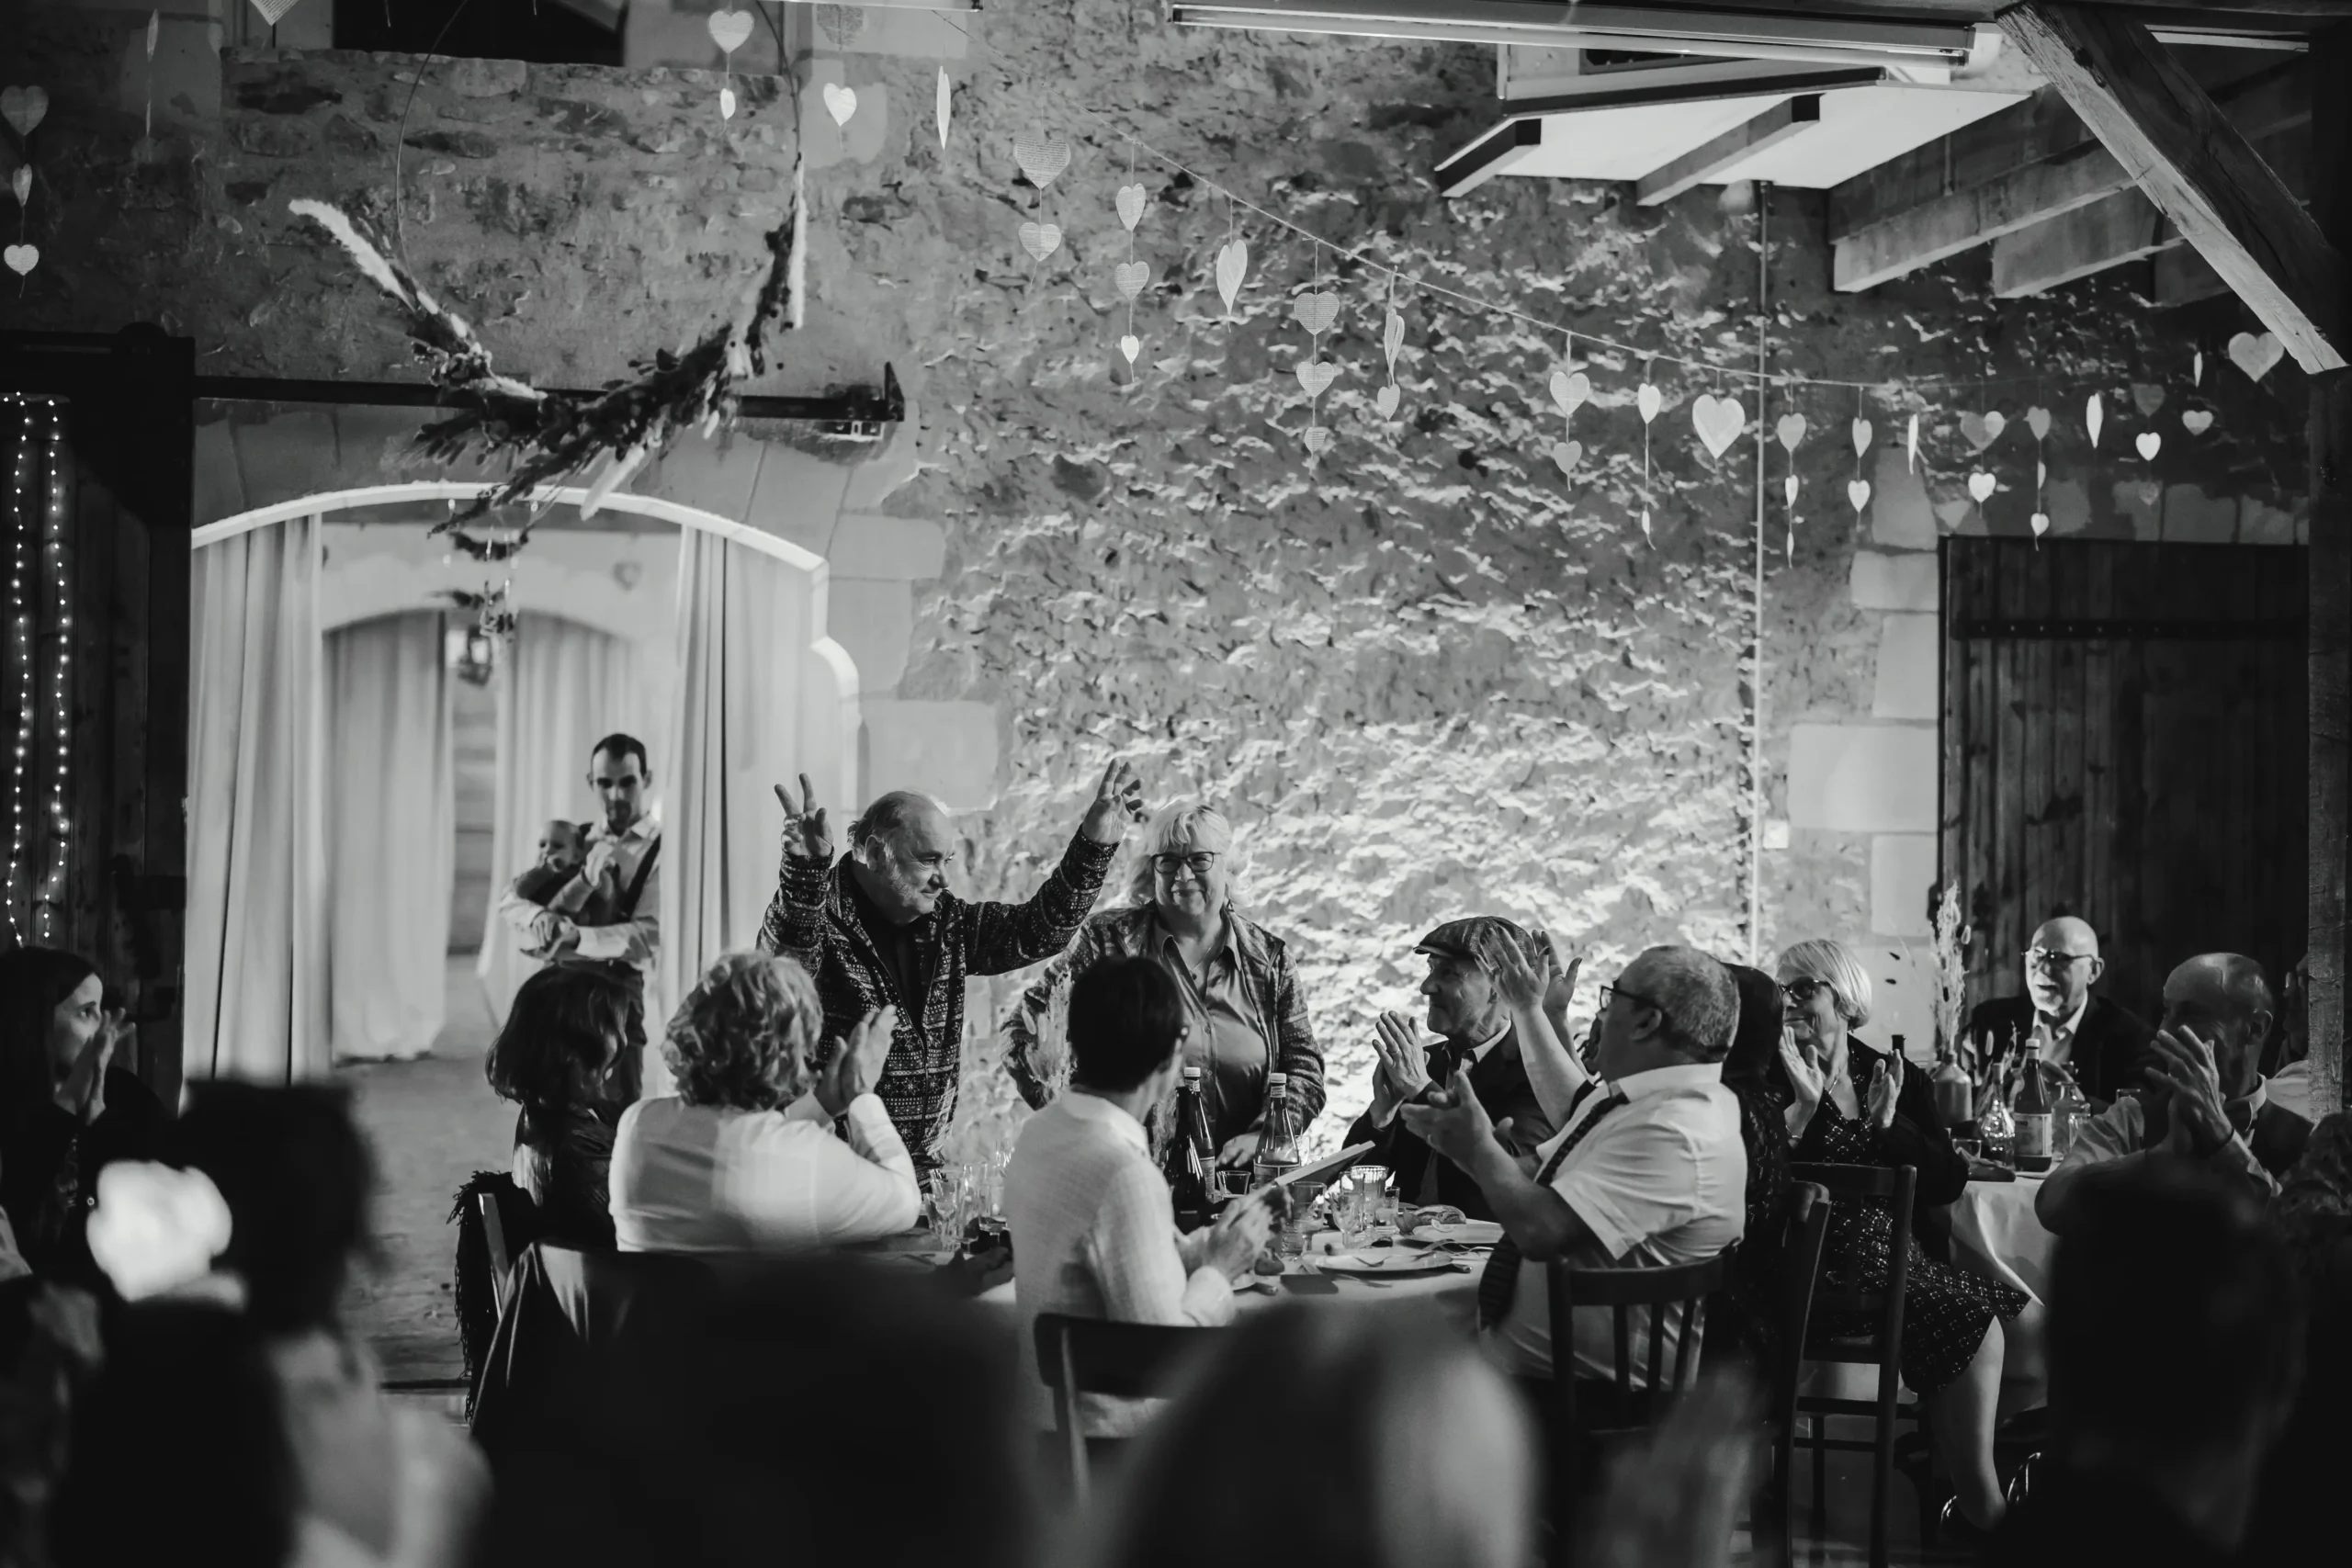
2097,1041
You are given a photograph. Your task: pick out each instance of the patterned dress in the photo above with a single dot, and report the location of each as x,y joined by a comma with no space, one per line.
1945,1309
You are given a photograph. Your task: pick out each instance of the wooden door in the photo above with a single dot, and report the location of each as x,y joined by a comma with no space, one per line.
2124,739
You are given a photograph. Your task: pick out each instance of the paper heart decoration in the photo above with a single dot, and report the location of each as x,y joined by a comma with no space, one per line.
1316,312
946,101
1131,346
154,31
2197,422
730,30
1857,493
1995,422
2151,492
2147,398
840,102
2041,473
726,103
1041,240
2196,368
1718,421
1232,262
1645,522
23,107
1981,486
21,181
1041,153
2037,419
1317,376
2094,416
2254,355
627,573
1649,400
1978,434
1791,429
2041,523
1789,486
1912,443
1130,204
21,259
1861,437
1131,276
1567,454
1570,392
1385,400
1319,439
1392,338
2149,443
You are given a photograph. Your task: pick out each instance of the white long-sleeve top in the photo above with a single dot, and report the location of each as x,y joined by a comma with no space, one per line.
711,1179
1094,1236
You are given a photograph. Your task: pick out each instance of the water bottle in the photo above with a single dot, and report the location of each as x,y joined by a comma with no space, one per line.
2032,1112
1277,1158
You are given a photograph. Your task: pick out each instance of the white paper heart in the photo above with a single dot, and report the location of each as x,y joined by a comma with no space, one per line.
1386,399
1570,392
1789,488
1131,346
1718,421
2196,368
2094,416
1041,240
726,103
1567,454
21,182
730,30
2041,473
2254,355
2037,419
2147,398
840,102
1041,153
1857,493
1971,427
1317,439
1131,276
1232,262
1791,429
21,259
1392,338
1912,443
2197,422
1645,522
1317,376
1995,422
1981,486
946,101
2040,523
1861,437
2150,443
24,107
1648,399
1316,311
2151,492
154,31
1130,204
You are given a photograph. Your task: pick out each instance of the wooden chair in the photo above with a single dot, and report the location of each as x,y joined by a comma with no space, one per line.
1883,1347
1808,1229
501,1262
1090,1355
1686,1285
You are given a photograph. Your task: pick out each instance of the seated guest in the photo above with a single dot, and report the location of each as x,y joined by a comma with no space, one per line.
745,1156
2093,1040
2175,1331
1855,1106
1246,1014
2204,1099
564,1058
66,1111
1324,1435
1093,1224
1648,1169
1473,1026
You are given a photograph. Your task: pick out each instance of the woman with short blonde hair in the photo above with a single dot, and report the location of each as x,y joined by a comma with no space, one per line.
745,1156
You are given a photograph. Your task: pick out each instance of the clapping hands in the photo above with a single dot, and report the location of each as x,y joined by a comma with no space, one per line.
856,1065
1886,1088
1805,1075
1402,1060
2185,1065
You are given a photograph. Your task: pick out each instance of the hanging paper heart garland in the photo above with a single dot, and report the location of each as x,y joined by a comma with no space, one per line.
1858,489
1130,206
1041,240
840,102
1981,486
155,36
1130,275
1570,392
730,30
1789,430
21,259
2149,443
1912,443
1392,338
24,108
1718,421
2147,398
1647,400
1567,454
1042,155
945,102
1232,265
2254,355
2037,420
2094,417
2197,422
1316,310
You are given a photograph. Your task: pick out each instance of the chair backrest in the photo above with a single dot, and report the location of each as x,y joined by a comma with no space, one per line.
1896,1186
1127,1360
1662,1290
1808,1230
493,1235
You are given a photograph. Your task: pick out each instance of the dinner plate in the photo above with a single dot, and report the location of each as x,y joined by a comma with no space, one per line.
1384,1262
1469,1232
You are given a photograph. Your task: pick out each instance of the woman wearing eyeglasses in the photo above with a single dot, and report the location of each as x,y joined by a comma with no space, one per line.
1241,999
1858,1106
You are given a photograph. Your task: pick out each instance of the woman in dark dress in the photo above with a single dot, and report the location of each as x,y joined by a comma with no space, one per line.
66,1111
1856,1106
563,1057
1749,1314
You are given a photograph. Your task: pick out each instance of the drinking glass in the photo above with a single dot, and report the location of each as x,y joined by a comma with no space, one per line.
949,1209
1968,1148
1362,1192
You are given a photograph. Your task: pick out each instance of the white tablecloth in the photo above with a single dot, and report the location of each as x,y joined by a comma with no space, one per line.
1995,1234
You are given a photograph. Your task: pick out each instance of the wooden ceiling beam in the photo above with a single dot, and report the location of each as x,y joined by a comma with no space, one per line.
2197,167
1790,117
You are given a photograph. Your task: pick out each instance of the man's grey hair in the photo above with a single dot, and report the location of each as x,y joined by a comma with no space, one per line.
1696,993
890,813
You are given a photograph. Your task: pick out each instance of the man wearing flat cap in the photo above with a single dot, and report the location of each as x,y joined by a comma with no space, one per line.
1472,1025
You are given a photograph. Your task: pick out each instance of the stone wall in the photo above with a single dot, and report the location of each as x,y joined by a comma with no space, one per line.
1424,674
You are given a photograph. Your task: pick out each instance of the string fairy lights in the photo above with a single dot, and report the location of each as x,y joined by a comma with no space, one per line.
40,773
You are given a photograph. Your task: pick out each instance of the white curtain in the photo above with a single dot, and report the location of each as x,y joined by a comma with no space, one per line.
391,836
758,703
562,686
257,872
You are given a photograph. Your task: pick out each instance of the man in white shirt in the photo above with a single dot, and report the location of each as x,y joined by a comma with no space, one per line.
609,913
1648,1171
1094,1225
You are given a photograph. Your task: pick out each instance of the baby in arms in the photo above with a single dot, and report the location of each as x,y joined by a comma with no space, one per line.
564,850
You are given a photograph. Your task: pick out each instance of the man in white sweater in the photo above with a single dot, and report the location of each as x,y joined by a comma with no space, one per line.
1093,1226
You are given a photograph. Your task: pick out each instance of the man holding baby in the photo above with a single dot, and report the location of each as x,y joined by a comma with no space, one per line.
595,898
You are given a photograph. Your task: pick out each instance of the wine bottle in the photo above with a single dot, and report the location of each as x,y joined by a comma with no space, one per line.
1189,1161
2032,1111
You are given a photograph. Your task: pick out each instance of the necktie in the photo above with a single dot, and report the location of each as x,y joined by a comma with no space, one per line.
1500,1281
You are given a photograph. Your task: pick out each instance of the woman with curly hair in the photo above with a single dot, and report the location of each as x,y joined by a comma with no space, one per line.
744,1156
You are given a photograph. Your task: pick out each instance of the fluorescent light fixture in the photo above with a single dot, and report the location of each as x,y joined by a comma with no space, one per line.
1734,34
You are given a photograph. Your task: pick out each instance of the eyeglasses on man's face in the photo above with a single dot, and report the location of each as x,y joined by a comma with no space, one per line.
1200,864
2052,963
1611,993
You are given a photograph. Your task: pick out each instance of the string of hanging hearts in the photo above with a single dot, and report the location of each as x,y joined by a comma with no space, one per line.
731,29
